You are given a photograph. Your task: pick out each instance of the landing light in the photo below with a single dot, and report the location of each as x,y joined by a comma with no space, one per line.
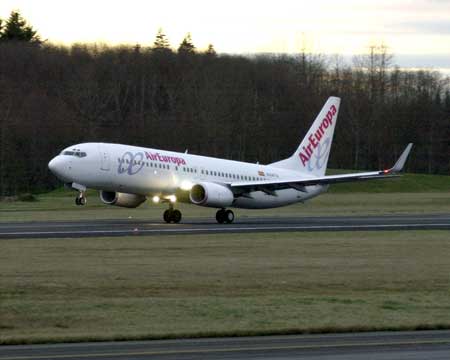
156,199
172,198
186,185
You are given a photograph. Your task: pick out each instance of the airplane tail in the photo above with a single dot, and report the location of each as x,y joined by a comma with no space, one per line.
312,155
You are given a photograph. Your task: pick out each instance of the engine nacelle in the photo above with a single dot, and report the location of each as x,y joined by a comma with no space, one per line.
211,195
121,199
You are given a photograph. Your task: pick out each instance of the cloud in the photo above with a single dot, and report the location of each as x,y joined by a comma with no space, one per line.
426,27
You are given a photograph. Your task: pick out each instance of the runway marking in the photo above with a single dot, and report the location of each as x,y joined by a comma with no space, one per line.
232,350
225,228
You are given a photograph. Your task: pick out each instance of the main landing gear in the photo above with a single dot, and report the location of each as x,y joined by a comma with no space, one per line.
172,215
80,200
224,216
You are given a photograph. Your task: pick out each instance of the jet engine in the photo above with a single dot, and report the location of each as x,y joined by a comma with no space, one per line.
121,199
211,195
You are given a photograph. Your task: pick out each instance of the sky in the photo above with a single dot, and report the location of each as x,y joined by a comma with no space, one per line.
417,32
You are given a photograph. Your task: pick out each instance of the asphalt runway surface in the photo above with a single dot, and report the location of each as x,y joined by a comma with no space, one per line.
128,227
429,345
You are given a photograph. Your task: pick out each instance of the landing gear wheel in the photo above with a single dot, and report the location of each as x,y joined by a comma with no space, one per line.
176,216
80,200
229,216
167,215
171,215
224,216
220,216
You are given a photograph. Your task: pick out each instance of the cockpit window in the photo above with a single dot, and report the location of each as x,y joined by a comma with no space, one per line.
76,153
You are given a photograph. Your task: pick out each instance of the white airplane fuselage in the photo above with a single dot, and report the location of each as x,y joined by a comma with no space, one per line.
152,172
127,175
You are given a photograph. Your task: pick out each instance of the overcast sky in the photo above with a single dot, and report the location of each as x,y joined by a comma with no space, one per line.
416,31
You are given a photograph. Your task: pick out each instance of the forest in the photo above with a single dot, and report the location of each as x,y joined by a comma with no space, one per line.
251,108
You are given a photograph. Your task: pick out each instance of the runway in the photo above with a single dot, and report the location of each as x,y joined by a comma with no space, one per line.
130,227
430,345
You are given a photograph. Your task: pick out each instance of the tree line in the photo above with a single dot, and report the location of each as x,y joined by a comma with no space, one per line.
252,108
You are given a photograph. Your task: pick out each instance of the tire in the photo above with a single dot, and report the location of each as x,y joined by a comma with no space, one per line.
167,216
82,201
220,216
77,201
176,216
229,216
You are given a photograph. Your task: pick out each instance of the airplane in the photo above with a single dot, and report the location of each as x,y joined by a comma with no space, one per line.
127,175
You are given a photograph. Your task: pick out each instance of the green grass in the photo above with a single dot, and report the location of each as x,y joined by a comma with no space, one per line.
62,207
412,193
193,285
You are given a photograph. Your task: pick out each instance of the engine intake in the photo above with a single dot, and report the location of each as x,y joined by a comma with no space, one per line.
121,199
211,195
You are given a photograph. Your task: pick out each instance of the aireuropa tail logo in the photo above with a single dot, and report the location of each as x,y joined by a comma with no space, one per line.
319,159
318,147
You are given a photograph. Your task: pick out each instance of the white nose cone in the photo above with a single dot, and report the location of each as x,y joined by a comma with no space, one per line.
57,166
52,165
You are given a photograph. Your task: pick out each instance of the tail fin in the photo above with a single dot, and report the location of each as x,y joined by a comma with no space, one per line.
312,154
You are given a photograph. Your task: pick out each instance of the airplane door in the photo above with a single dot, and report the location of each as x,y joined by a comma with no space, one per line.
104,158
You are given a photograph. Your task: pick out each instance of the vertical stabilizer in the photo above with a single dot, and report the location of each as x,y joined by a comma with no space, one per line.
312,155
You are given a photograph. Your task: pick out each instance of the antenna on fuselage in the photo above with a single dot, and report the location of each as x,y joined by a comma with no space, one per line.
186,151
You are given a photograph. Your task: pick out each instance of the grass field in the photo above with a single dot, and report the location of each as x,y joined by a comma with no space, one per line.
198,285
141,287
412,193
50,207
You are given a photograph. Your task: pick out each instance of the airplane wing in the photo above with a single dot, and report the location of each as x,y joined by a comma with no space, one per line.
299,184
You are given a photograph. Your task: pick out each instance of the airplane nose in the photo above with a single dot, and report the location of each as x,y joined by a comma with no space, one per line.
53,164
57,166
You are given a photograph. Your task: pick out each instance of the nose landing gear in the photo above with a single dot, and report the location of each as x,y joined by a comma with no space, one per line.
224,216
80,200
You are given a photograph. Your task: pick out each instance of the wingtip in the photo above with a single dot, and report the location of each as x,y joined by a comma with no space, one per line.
402,159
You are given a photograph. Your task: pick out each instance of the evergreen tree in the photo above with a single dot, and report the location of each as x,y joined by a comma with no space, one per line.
211,51
17,29
161,41
186,46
